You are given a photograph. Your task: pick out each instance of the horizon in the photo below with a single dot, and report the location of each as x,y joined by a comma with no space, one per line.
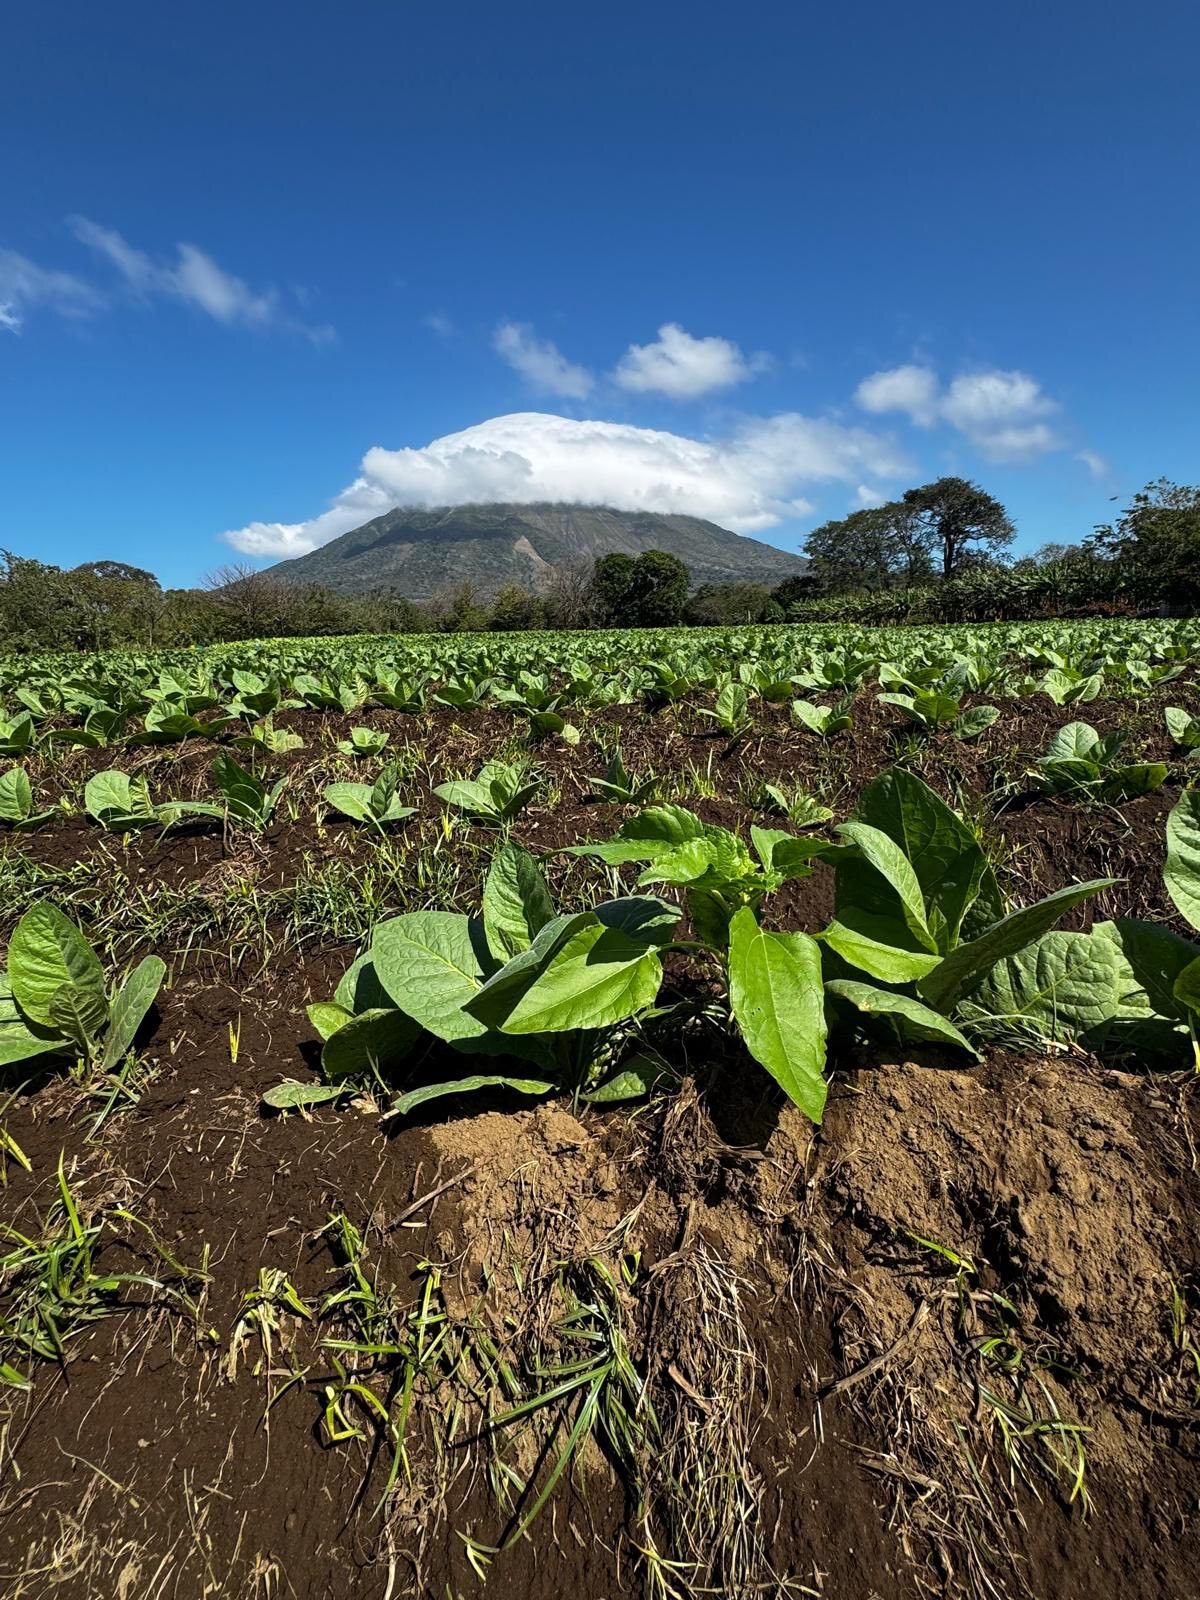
769,291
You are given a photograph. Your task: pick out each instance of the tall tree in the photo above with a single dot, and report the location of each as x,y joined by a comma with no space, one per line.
881,547
659,590
649,592
962,522
1156,543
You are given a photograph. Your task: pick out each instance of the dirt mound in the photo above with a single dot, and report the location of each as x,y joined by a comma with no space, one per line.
944,1347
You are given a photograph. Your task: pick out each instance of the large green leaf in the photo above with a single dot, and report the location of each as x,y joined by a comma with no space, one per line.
913,1020
367,1043
291,1095
959,888
353,800
47,951
327,1017
597,977
1155,957
360,988
1182,872
891,863
967,963
78,1013
130,1005
432,963
494,1001
778,1002
516,901
881,958
1063,986
16,795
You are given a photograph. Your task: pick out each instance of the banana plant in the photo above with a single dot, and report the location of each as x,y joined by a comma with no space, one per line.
55,1000
375,803
16,802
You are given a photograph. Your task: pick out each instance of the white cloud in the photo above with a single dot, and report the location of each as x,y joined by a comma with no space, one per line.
196,279
683,367
911,389
438,322
749,480
1096,464
540,362
865,497
1002,413
24,286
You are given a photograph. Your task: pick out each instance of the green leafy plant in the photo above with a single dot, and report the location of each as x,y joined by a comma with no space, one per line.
621,787
364,742
1079,761
17,734
264,736
803,810
515,982
717,871
54,998
376,803
1184,730
917,903
121,803
940,710
16,802
731,712
824,721
248,801
500,792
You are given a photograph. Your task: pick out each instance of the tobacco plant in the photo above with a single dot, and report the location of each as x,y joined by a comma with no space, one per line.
55,999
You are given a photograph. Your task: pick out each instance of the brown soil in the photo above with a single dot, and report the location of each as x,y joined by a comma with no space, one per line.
781,1312
868,1359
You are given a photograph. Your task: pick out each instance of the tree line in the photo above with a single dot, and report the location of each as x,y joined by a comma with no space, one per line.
940,554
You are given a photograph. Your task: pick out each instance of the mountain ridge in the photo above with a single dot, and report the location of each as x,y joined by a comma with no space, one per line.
421,552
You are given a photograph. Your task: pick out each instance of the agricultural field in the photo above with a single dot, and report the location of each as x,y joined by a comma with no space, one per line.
658,1114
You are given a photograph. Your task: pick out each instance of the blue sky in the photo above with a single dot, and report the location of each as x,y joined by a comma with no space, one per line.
765,262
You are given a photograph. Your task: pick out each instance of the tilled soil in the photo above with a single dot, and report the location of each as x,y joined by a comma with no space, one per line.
947,1345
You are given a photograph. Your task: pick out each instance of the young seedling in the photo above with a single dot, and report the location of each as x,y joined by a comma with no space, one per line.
121,803
1080,762
377,804
247,798
54,999
803,810
16,802
497,795
621,787
364,742
824,721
